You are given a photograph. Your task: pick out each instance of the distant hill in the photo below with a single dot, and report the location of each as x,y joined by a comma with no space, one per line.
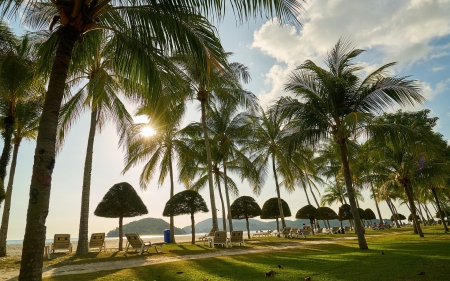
147,226
205,225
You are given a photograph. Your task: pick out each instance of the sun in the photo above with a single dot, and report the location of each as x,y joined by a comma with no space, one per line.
147,131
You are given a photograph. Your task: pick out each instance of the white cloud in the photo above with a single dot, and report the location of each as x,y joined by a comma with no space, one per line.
401,31
437,68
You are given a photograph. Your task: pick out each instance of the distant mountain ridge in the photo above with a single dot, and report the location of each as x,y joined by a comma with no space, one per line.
147,226
205,225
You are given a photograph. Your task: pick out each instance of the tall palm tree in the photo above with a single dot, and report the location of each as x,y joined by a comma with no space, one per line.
167,25
268,149
99,85
223,82
160,151
27,117
338,104
18,80
410,160
229,129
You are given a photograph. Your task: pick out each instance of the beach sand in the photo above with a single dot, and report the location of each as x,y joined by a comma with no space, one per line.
111,243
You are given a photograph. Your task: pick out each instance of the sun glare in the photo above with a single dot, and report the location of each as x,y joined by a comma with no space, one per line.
147,131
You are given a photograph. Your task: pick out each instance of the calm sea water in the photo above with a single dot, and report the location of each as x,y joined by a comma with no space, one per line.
50,240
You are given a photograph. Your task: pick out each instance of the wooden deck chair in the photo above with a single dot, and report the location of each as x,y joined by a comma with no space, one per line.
219,238
135,241
61,242
306,230
286,232
97,241
204,238
347,229
320,230
335,229
294,232
237,236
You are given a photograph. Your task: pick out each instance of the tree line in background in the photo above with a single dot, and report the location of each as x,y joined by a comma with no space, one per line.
329,130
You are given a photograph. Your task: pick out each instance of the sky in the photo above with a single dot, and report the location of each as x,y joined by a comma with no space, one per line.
413,33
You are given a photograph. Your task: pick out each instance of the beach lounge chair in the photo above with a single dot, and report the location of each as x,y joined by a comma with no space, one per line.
347,229
135,241
319,231
335,229
237,236
306,230
219,238
97,241
286,232
294,232
61,242
205,237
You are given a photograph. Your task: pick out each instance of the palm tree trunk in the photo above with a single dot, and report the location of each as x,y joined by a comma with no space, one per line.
120,233
351,195
412,207
280,206
7,134
278,225
314,196
215,224
390,205
44,160
248,226
376,202
224,219
83,246
421,214
193,228
306,193
227,195
7,207
441,215
172,190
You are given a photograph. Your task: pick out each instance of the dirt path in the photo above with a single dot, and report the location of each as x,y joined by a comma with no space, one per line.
158,259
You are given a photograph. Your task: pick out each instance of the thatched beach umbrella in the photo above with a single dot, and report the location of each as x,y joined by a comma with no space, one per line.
121,201
245,207
308,212
270,210
326,213
183,203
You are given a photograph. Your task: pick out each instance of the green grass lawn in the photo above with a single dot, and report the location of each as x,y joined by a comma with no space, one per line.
405,256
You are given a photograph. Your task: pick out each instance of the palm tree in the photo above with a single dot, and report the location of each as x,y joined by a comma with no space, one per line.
338,104
99,84
155,25
165,147
410,160
28,113
18,81
229,129
267,147
223,82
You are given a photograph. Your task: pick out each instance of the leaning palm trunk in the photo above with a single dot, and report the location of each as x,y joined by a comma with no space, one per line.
83,247
317,202
351,195
202,96
227,195
412,207
224,219
376,202
172,187
280,206
6,153
441,215
44,160
7,207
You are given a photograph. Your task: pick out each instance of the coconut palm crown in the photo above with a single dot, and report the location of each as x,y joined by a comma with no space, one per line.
337,103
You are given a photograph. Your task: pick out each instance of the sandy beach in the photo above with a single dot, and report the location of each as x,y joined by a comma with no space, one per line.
112,244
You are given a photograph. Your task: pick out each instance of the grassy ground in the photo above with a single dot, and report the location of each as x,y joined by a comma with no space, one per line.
405,256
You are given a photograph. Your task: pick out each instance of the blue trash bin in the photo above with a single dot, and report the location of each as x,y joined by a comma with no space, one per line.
167,235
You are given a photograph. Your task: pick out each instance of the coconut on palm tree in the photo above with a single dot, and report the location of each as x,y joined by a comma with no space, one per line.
336,103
